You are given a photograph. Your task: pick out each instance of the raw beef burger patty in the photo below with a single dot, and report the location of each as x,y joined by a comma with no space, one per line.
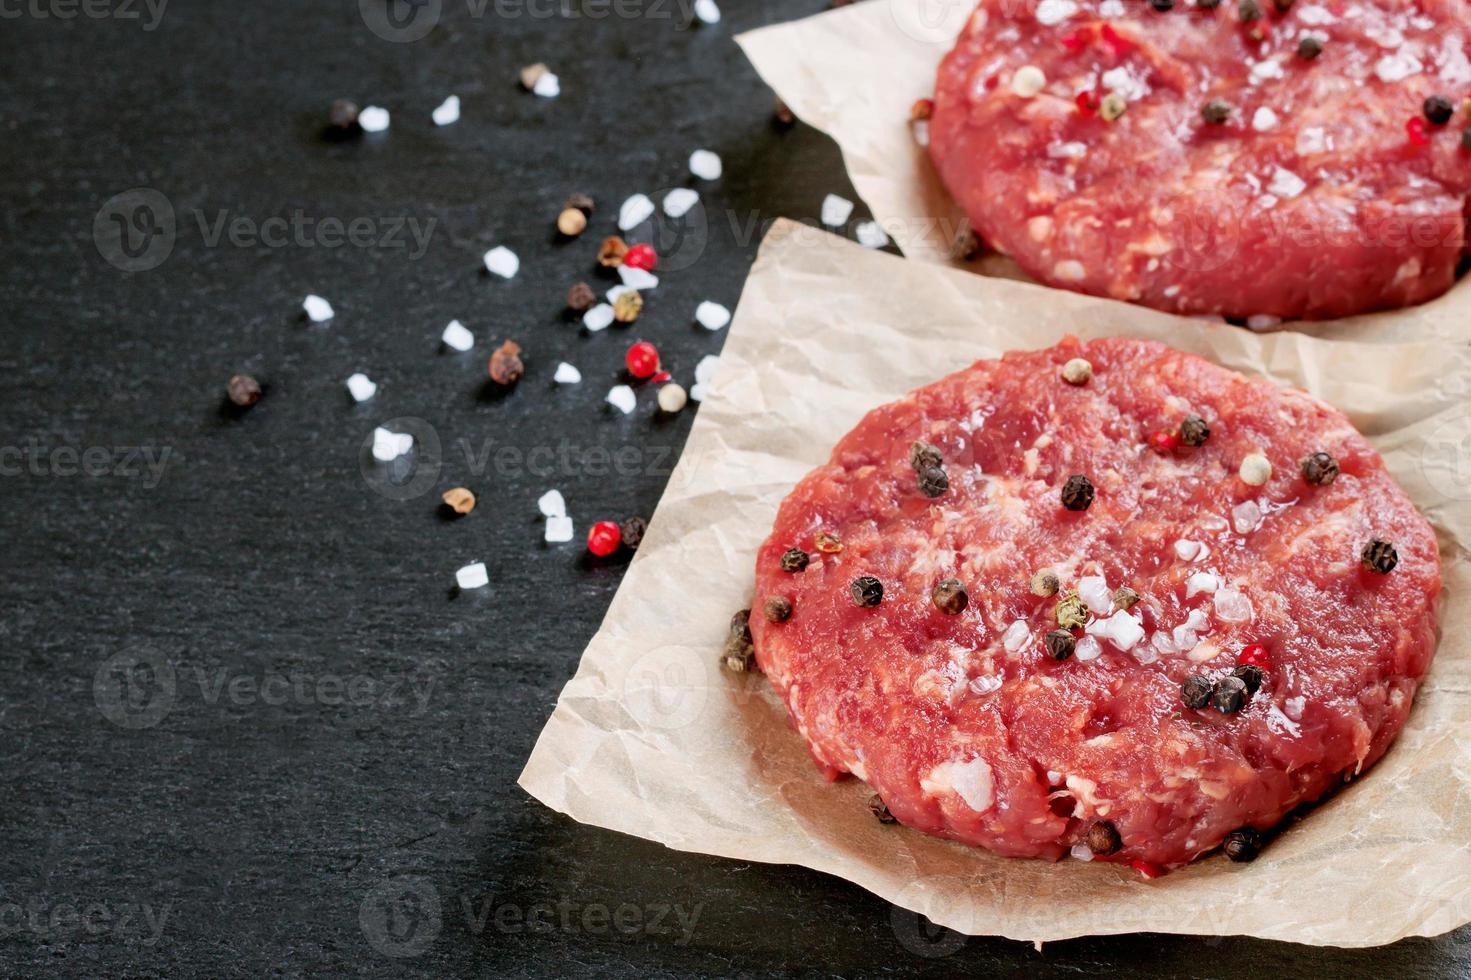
1324,190
964,721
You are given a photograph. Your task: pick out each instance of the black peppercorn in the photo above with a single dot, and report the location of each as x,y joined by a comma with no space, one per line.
740,626
343,114
1282,5
949,596
1309,48
1242,845
1438,109
1077,492
880,809
739,656
1466,138
243,390
580,201
1216,111
1248,11
1163,6
867,590
580,297
1208,4
1250,675
1229,695
633,529
1194,431
922,456
778,609
1319,469
933,482
794,560
1060,644
1196,691
1379,556
1103,838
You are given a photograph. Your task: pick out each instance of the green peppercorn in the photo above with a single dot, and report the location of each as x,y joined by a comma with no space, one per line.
1438,109
1229,695
1216,111
1379,556
794,560
1112,107
1103,838
880,809
1077,492
1250,675
1309,48
933,482
1242,845
1248,11
1071,612
1060,644
1195,692
1319,469
778,609
1125,597
867,590
949,596
1194,431
922,456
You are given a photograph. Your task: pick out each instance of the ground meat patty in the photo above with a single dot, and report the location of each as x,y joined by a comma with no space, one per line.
965,723
1311,199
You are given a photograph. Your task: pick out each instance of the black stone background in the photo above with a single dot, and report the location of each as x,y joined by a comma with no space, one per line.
261,829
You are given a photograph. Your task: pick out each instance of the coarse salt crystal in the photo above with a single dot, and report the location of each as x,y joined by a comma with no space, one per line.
1067,151
1201,582
1082,852
1285,183
1069,270
1121,629
1125,82
558,530
1233,607
1016,636
598,318
317,309
637,278
567,374
1310,13
1311,140
373,119
707,12
1246,516
870,234
457,337
361,388
1263,119
1188,550
448,111
706,165
986,684
705,370
1051,12
1087,649
473,576
711,316
1027,81
921,130
388,446
836,210
1263,321
678,201
548,86
1093,589
634,212
1397,67
622,398
502,262
552,504
698,392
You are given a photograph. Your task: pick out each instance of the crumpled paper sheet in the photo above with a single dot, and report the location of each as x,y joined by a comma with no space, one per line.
653,739
855,71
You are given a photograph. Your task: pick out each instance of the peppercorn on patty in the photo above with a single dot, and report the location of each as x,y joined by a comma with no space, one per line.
1163,658
1243,158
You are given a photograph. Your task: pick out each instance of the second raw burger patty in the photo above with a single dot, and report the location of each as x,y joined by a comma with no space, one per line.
1309,198
966,723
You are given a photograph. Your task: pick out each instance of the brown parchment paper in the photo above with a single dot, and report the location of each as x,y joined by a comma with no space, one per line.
855,71
653,739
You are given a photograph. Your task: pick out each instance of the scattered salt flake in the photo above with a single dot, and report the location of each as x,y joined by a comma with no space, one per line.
388,446
317,309
985,684
1069,270
698,392
1121,629
598,318
921,130
548,86
706,165
870,234
836,210
711,316
1016,636
552,504
634,212
1111,9
373,119
1285,183
678,201
1126,82
622,398
1087,649
361,388
1246,516
1264,70
1263,119
473,576
1233,607
1263,321
1185,635
637,278
1311,13
971,780
567,374
1397,67
1201,582
1311,139
502,262
559,530
1082,852
1188,550
1093,590
457,336
705,370
1051,12
448,111
707,12
1066,151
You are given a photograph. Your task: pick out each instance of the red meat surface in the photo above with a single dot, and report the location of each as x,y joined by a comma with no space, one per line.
1310,201
963,723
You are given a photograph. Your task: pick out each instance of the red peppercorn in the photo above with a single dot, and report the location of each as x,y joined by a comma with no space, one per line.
1415,128
603,538
1255,655
642,359
1087,101
661,377
1147,868
1164,442
641,256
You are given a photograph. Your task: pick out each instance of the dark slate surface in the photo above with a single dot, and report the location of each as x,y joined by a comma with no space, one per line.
328,785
